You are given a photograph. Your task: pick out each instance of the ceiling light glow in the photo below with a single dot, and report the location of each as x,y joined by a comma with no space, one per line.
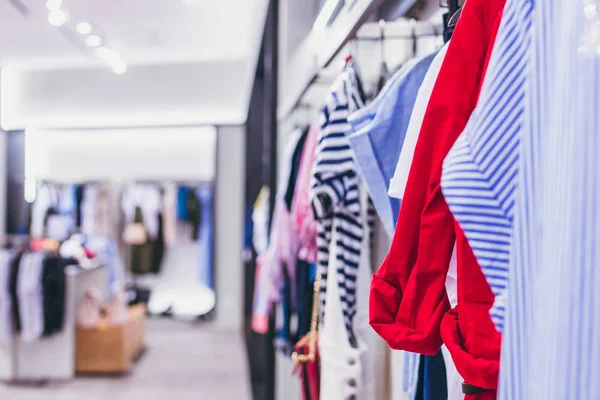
119,67
93,41
84,28
102,52
53,5
57,18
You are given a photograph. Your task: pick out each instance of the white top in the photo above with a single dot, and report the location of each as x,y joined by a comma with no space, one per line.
398,181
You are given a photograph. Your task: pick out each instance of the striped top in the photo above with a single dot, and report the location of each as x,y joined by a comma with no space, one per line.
480,172
335,194
551,349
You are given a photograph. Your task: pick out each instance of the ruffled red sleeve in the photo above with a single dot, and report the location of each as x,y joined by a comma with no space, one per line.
408,297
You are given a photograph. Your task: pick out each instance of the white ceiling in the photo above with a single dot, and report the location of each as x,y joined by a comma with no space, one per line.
143,31
190,62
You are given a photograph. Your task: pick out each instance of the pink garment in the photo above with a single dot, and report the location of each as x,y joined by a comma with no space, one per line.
301,212
282,252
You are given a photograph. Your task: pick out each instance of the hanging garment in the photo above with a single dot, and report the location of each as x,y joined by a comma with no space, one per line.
158,248
260,221
14,298
285,338
550,346
305,277
108,251
377,136
434,378
407,364
6,323
301,212
349,369
206,237
148,199
46,199
334,194
194,213
169,213
409,305
479,173
61,223
54,294
283,245
376,139
398,181
141,254
79,190
89,208
182,196
294,170
260,243
30,292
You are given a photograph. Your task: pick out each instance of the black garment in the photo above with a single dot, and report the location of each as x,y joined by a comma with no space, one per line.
294,168
158,248
14,276
285,337
79,199
54,293
141,254
304,296
194,212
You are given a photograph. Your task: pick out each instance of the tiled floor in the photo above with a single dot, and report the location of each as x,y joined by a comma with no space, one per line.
183,362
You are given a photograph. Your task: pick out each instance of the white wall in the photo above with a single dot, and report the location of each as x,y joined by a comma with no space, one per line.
176,153
229,209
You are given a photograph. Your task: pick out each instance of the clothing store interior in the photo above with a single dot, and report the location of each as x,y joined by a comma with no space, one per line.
299,199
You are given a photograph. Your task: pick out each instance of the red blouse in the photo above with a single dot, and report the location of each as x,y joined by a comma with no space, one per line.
409,307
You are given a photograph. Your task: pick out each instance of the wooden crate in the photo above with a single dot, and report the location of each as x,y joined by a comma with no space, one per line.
108,349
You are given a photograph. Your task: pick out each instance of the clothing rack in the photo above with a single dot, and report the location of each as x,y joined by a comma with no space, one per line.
372,32
52,358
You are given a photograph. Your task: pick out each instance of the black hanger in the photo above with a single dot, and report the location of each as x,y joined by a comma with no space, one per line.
454,18
384,70
451,18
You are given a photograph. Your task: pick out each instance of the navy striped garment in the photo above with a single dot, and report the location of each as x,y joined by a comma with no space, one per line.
335,194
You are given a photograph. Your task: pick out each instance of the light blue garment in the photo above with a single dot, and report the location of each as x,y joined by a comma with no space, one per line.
553,318
205,236
67,201
107,251
479,177
377,134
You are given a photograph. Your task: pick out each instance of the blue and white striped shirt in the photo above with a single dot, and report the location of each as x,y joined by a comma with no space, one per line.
480,172
553,319
550,349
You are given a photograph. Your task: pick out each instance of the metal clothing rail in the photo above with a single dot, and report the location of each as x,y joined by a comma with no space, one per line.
301,81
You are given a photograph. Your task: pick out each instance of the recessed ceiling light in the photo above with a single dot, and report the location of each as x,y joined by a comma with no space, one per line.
119,67
53,5
57,18
108,55
93,41
102,52
84,28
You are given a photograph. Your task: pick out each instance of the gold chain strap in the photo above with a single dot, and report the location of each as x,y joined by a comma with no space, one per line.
312,336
